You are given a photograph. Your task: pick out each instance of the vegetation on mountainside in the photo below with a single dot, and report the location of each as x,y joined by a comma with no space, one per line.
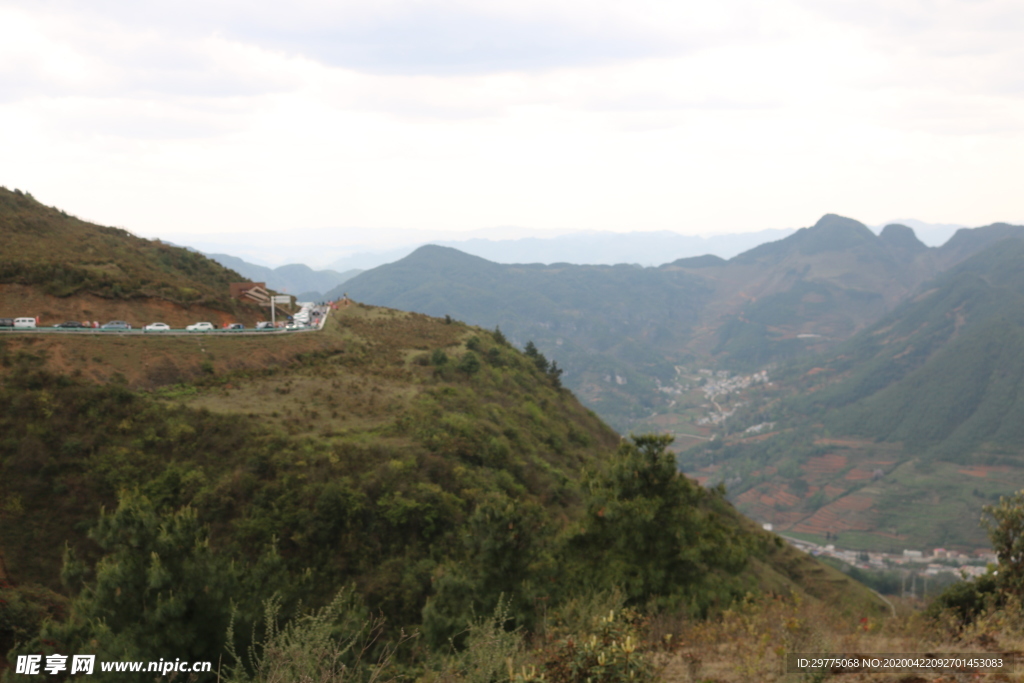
614,329
621,331
940,374
901,431
61,255
392,464
430,485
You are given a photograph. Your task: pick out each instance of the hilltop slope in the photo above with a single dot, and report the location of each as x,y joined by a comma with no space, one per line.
58,267
426,463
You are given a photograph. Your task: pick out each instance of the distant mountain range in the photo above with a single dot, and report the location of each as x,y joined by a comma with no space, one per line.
620,331
296,278
345,250
587,248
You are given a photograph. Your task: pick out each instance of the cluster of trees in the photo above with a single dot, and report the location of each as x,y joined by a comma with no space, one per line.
1002,588
160,587
487,484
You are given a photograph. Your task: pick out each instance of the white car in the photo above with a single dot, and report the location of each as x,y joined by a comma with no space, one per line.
200,327
157,327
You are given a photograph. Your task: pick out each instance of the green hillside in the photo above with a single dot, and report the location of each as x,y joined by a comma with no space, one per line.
427,464
60,255
613,329
945,378
903,432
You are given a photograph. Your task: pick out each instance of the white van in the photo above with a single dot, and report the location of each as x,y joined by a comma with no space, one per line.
25,323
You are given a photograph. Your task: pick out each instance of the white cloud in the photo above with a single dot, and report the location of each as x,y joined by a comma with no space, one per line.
556,114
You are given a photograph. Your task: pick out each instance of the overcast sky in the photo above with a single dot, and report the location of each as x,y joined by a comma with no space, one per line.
701,117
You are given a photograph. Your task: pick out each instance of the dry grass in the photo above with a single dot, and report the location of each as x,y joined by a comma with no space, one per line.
751,642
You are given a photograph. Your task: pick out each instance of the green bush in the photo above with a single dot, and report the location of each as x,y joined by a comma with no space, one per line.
469,363
612,651
964,601
336,644
23,609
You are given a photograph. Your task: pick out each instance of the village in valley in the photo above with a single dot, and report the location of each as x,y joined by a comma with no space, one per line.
937,561
838,493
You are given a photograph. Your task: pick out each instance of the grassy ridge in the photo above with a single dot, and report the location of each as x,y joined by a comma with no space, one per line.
61,255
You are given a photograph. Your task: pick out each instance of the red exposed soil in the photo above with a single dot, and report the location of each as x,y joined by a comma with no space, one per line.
759,437
983,471
857,474
24,301
851,513
825,465
847,443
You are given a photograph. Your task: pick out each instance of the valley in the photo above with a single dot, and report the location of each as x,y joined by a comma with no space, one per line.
429,470
797,350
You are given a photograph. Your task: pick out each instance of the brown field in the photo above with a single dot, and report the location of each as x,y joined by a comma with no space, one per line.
24,301
984,471
850,513
758,437
857,474
824,465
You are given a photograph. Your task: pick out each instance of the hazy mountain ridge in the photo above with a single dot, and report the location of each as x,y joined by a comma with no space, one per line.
805,292
824,282
295,278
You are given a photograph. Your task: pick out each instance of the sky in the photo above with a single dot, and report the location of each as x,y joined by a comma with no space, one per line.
529,117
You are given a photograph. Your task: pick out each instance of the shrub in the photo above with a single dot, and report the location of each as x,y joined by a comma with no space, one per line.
963,602
330,645
469,363
612,652
1006,531
23,610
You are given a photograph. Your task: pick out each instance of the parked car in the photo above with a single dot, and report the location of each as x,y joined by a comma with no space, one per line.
157,327
116,325
200,327
6,322
25,323
70,324
265,325
235,326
